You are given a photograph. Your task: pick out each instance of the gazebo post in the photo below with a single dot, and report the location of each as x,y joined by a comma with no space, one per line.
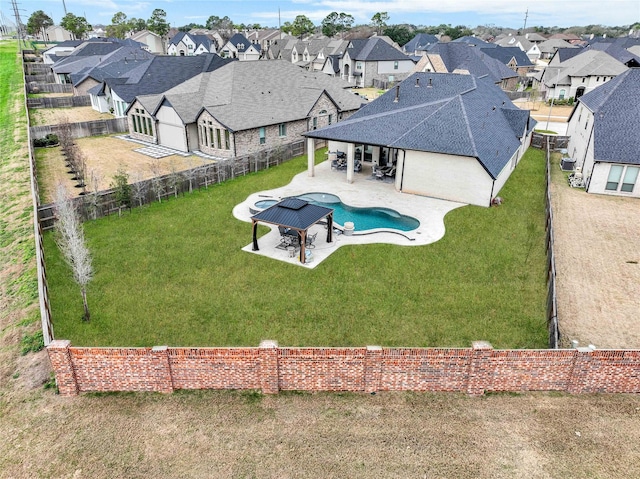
329,227
255,235
311,156
303,240
351,148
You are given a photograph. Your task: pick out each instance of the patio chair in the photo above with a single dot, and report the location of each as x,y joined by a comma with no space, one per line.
310,240
391,172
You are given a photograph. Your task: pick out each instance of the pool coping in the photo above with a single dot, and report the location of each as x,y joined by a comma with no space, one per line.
363,192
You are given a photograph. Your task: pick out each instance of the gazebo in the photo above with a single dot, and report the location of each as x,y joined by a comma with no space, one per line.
296,214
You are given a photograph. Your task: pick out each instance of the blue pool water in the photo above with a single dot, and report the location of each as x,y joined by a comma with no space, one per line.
362,218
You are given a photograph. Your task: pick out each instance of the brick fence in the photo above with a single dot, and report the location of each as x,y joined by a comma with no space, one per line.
270,368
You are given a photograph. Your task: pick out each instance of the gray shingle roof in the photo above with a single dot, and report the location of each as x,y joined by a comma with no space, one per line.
446,113
420,42
245,95
616,118
462,56
505,54
374,49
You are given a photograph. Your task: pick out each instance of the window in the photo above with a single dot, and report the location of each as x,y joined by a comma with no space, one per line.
580,115
597,79
395,65
315,122
330,119
615,173
563,92
227,143
628,175
282,129
586,124
240,46
218,140
358,65
583,80
263,136
629,179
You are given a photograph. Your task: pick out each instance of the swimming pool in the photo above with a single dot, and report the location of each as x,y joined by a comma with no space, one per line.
362,218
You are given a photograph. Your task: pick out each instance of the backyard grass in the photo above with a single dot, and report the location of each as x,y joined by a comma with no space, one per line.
174,273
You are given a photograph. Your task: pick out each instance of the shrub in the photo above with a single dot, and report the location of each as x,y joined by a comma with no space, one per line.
48,140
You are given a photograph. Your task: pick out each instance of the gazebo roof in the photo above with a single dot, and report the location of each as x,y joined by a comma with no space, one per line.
293,213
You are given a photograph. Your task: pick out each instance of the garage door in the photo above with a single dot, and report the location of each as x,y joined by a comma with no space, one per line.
172,136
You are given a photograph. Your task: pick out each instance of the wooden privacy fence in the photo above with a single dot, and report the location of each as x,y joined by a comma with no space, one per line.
271,369
554,142
37,87
59,102
84,128
97,204
552,300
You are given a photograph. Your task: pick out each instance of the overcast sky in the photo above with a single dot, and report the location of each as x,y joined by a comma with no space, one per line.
505,13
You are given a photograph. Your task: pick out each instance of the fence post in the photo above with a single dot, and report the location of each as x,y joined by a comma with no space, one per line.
580,371
478,374
60,358
269,367
372,369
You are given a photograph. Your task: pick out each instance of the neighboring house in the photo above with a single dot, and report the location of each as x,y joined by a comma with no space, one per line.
579,74
310,54
620,49
57,52
469,40
549,47
264,37
374,62
94,52
185,44
419,44
241,48
449,136
152,41
55,33
119,84
530,48
241,108
605,143
512,57
455,57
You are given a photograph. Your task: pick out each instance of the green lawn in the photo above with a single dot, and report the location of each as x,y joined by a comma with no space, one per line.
173,273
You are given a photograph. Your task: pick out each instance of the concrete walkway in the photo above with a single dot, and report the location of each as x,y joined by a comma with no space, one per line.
365,191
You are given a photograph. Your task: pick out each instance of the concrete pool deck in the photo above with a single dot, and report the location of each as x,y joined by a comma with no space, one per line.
365,191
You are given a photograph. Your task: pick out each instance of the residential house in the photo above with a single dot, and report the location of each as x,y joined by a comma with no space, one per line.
455,57
549,47
186,44
620,49
374,62
512,57
605,143
580,74
449,136
419,44
241,108
241,48
120,83
92,53
60,50
55,33
530,48
264,37
152,41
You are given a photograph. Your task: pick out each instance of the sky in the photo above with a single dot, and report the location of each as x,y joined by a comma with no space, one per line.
501,13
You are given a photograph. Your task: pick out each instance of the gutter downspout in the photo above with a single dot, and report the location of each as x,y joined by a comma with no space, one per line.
586,150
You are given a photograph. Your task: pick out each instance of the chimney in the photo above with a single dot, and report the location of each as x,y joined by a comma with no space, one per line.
397,94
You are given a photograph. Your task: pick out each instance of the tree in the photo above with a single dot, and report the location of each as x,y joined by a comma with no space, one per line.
77,26
122,190
302,25
216,23
399,34
158,22
379,20
70,240
335,23
119,26
137,24
38,22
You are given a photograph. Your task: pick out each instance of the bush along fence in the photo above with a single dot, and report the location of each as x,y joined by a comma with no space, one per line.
271,369
94,204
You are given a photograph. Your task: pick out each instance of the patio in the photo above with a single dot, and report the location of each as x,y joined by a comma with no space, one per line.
365,191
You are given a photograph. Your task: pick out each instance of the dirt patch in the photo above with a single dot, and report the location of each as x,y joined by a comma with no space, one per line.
597,242
540,111
55,116
104,156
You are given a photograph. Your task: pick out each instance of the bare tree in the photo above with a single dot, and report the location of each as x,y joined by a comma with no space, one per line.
157,185
174,179
190,173
70,240
139,187
95,178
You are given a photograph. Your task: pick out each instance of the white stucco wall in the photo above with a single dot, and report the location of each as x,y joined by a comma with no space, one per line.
171,130
449,177
404,66
580,146
598,181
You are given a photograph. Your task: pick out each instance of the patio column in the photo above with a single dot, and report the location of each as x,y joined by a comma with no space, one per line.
351,149
255,235
311,156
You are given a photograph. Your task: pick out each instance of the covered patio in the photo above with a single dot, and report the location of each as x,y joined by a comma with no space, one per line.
294,215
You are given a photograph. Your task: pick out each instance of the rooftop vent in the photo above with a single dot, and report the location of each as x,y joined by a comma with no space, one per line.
397,94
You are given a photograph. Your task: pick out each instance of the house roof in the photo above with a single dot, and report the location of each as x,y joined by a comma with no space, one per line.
240,39
420,42
463,57
374,49
564,54
551,45
616,118
163,73
92,55
618,50
198,40
469,40
245,95
505,54
441,113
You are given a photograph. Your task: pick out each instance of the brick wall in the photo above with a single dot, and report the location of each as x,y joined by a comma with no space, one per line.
270,368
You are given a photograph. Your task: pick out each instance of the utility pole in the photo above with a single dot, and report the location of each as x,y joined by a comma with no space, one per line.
64,5
526,15
19,26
